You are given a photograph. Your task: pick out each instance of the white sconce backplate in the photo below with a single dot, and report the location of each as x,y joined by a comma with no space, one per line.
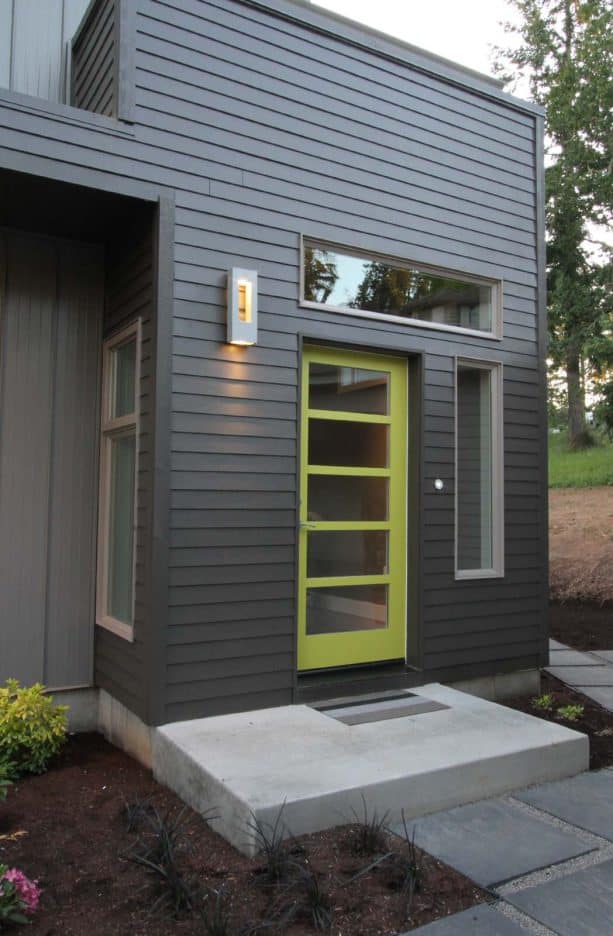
242,307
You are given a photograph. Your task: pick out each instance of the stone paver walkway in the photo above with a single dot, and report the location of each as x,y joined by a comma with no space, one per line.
590,673
545,853
580,904
495,840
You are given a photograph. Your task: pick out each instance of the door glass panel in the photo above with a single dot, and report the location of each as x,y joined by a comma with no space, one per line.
121,528
354,444
351,552
346,608
348,389
123,385
333,497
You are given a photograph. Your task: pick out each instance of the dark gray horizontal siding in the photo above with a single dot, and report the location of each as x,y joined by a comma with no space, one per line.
94,53
121,667
240,26
266,130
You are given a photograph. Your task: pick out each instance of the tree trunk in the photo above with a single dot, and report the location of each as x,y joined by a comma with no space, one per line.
577,434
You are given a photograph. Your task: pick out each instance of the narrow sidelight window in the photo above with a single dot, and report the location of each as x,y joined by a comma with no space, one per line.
118,472
479,491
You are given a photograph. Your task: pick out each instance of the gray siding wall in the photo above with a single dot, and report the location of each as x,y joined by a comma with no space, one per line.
265,130
50,326
94,68
305,134
120,666
33,44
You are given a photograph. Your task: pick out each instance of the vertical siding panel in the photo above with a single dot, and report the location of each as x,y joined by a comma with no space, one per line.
72,555
6,31
37,50
25,420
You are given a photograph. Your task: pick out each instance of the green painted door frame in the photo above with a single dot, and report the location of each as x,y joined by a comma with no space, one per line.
382,638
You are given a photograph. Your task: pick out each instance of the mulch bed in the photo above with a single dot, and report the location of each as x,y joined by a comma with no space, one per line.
68,829
596,721
582,626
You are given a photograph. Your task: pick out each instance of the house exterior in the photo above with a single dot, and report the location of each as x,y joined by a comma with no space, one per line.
272,408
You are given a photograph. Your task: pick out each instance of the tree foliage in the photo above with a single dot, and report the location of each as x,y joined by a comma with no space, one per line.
564,49
320,274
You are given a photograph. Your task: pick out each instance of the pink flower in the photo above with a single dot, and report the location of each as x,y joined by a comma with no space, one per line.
27,890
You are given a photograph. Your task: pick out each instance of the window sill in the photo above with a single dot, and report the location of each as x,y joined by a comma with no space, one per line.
119,628
398,320
478,574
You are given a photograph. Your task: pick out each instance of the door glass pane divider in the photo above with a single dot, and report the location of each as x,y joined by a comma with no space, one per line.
348,416
349,471
323,526
337,580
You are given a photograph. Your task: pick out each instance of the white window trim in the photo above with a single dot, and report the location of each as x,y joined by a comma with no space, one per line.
109,429
496,286
497,435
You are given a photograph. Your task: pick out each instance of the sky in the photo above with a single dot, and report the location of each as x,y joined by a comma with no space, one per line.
460,30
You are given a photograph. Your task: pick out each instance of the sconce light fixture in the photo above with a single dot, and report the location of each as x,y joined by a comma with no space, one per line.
242,307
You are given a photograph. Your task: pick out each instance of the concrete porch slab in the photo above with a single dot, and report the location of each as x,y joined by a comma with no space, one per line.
252,763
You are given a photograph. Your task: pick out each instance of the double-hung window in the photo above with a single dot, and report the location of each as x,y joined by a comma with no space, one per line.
118,473
479,481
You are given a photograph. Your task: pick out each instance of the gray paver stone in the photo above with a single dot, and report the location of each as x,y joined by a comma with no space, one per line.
572,658
585,801
481,920
494,841
601,694
556,645
583,675
580,904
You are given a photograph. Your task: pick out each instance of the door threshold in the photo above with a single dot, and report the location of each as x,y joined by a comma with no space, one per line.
324,685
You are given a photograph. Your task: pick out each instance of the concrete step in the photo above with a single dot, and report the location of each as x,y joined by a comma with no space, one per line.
317,768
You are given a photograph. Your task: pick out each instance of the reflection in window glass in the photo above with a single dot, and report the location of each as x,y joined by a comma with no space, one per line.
348,389
121,528
337,497
123,387
347,552
350,444
345,608
474,469
351,282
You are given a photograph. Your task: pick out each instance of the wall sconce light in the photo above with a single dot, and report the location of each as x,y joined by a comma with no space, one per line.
242,307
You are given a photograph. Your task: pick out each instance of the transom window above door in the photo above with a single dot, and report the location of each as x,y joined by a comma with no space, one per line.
351,281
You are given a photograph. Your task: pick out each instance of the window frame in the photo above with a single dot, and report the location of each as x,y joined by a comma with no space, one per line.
113,428
496,285
495,368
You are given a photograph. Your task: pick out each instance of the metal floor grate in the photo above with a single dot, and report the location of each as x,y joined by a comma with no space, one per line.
377,707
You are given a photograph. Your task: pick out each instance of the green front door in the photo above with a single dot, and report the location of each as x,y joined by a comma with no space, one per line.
352,558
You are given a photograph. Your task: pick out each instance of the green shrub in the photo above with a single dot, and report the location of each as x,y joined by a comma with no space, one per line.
32,728
570,713
543,702
5,783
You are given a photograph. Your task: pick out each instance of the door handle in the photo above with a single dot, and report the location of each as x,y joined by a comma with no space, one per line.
305,525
